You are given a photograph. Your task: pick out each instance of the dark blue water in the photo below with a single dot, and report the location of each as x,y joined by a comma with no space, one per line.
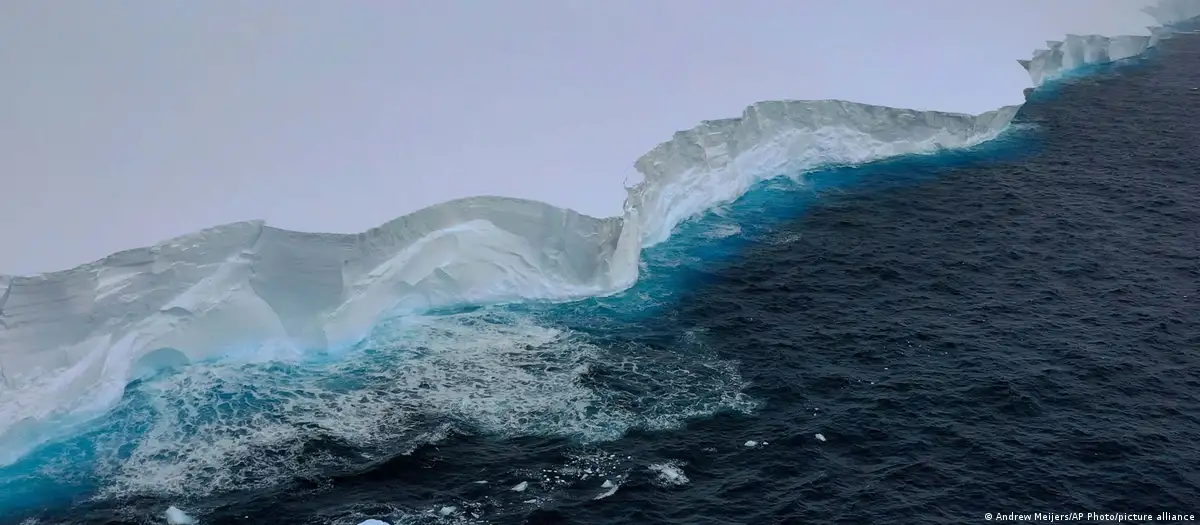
1011,329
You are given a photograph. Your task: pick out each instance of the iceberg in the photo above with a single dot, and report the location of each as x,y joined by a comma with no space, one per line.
1170,12
1076,51
719,160
1060,58
71,341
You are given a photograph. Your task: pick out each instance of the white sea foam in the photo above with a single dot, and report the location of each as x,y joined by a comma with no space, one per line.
71,341
226,425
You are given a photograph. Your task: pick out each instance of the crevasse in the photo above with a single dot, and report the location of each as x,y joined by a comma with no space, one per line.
71,341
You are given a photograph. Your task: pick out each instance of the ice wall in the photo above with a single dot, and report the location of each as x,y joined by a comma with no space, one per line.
1060,58
719,160
1168,12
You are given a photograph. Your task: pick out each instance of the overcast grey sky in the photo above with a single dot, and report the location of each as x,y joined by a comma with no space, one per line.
124,123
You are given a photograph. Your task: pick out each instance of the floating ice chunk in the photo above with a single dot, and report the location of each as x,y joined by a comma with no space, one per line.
752,443
820,437
178,517
670,474
612,489
448,510
374,522
520,487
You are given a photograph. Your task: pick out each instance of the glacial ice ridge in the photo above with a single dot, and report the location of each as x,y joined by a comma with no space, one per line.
71,341
1061,57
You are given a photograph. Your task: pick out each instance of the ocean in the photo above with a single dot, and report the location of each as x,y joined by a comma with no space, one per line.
954,338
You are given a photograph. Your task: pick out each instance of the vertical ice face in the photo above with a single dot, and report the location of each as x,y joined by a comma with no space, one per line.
1167,12
719,160
1077,51
5,281
5,288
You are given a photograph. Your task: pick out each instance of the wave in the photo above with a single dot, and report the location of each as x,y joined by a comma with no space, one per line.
71,341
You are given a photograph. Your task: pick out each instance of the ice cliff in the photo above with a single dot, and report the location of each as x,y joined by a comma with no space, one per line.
719,160
70,341
1076,51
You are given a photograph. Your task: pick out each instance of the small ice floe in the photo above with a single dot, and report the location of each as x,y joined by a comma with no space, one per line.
520,487
669,474
374,522
752,443
448,510
820,437
179,517
612,489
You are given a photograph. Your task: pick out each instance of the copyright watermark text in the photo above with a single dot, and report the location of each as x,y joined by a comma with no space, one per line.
1115,517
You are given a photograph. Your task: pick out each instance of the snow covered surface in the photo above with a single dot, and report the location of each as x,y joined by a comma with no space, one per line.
70,341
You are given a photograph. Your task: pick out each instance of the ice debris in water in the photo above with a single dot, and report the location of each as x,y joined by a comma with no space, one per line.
178,517
520,487
447,510
612,489
752,443
820,437
374,522
670,473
